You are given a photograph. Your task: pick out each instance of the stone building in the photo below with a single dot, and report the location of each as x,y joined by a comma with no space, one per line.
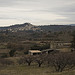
59,44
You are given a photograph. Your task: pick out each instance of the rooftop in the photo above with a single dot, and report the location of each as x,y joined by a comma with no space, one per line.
35,51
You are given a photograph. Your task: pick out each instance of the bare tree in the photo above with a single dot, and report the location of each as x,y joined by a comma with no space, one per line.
40,59
59,61
72,60
28,59
21,61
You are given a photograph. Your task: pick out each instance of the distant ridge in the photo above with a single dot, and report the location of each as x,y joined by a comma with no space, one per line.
21,27
30,27
72,24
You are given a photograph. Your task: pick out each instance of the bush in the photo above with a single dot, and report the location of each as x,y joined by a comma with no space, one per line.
12,52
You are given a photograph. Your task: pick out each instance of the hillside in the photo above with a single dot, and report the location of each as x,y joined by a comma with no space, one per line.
20,27
57,28
30,27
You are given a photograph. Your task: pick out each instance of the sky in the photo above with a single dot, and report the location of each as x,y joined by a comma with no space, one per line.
37,12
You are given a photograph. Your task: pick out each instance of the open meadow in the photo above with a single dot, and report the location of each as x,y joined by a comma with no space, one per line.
32,70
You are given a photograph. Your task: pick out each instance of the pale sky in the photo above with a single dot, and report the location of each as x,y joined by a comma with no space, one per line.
37,12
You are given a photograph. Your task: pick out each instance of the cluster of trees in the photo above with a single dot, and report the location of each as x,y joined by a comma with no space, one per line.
7,35
14,47
59,61
40,47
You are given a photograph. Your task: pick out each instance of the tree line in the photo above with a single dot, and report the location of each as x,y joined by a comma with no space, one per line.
59,61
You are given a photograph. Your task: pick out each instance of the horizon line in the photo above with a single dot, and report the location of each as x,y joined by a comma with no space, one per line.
35,24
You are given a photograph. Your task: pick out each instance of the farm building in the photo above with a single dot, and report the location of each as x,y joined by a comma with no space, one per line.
59,44
48,51
55,46
34,52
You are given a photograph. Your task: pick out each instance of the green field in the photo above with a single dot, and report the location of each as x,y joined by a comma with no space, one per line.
32,70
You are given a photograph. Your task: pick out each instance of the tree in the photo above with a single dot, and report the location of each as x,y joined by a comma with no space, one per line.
59,61
28,59
72,60
40,59
73,42
21,61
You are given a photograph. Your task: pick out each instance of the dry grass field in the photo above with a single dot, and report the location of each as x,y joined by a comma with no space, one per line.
32,70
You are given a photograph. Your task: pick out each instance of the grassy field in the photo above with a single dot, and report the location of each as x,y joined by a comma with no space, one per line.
32,70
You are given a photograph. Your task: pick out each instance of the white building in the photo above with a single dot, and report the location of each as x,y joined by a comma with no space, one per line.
34,52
